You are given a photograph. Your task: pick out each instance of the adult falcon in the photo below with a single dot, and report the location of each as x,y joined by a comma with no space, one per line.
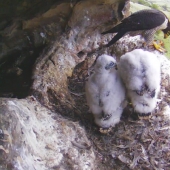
145,22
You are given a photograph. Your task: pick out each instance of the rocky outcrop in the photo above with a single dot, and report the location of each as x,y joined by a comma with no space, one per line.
32,137
52,128
55,65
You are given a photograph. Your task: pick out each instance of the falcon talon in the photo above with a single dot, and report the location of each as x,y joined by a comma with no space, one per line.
158,47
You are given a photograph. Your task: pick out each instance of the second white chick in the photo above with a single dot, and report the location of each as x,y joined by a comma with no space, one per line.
105,92
140,71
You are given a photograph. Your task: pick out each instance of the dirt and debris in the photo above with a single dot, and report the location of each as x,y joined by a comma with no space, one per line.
133,143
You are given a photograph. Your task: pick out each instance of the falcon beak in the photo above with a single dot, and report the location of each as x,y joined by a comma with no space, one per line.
111,65
167,34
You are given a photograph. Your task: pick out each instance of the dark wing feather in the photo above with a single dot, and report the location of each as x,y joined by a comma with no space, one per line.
141,20
115,38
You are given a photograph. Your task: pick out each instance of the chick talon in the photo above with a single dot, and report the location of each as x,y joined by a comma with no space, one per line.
105,130
145,116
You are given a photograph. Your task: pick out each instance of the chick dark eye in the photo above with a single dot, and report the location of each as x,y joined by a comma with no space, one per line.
112,63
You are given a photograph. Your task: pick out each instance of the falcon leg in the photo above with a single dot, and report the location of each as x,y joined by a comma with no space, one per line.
149,37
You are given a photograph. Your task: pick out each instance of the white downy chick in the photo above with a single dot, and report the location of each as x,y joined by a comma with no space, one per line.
105,92
140,71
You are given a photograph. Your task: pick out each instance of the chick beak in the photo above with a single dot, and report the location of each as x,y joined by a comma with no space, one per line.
110,65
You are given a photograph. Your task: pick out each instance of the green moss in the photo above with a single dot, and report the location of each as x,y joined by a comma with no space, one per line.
143,2
154,6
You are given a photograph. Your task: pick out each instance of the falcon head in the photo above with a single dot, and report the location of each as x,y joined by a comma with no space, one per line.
167,30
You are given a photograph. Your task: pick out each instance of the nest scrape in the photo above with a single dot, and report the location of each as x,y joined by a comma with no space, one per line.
133,143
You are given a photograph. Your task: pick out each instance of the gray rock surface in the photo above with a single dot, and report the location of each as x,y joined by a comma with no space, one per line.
35,138
56,64
53,129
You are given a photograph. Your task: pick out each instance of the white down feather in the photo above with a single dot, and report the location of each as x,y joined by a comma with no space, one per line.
140,71
105,92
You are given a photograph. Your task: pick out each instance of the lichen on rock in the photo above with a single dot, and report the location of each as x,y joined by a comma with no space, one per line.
36,138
